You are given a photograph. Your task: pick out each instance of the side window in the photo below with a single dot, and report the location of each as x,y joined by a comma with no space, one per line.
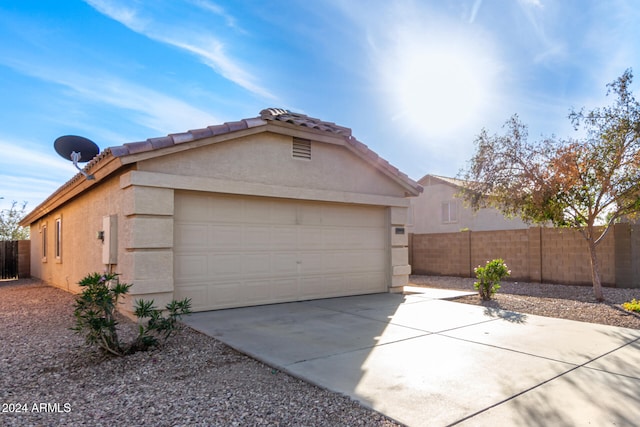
43,232
449,212
58,239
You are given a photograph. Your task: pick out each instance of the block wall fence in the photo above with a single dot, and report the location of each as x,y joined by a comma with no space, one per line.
537,254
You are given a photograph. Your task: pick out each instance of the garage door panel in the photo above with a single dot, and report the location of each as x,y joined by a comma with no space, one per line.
189,266
223,293
309,215
261,250
191,235
223,264
311,238
284,290
225,209
194,208
311,263
256,237
283,238
198,295
256,264
283,212
285,264
256,291
223,237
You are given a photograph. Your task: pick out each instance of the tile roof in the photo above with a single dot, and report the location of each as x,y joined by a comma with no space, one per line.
266,115
426,180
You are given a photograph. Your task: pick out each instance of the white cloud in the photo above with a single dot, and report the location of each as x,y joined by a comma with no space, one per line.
26,189
35,172
155,110
216,9
198,42
32,158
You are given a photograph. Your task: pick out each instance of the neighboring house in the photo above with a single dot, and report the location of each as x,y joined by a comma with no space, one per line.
280,207
440,209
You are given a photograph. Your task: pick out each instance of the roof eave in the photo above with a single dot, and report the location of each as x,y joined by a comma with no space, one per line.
101,167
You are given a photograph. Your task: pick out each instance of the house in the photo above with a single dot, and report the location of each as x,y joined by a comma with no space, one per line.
440,209
280,207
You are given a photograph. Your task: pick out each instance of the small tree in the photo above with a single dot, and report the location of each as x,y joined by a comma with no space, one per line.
568,183
10,228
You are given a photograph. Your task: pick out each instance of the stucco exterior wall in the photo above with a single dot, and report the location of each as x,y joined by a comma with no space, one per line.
267,158
81,250
427,214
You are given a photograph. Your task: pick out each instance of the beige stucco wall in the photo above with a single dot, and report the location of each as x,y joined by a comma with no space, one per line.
427,214
266,158
81,249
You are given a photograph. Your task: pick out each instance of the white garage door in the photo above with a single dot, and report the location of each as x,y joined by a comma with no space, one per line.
233,251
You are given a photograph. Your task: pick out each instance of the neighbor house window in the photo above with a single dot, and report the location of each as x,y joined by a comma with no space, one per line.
449,212
58,239
43,231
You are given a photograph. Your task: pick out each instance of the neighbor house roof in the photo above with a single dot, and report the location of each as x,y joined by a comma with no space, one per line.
117,157
430,179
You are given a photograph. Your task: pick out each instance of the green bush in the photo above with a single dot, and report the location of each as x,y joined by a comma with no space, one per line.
95,310
633,305
489,278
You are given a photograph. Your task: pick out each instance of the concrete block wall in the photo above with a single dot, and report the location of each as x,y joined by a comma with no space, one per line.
446,254
537,255
510,245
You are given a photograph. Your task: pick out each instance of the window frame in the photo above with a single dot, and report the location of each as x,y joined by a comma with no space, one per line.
58,239
44,241
450,219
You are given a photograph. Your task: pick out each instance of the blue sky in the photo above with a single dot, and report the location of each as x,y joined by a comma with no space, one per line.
415,80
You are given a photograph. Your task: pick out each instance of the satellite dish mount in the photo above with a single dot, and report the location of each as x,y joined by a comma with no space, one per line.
77,149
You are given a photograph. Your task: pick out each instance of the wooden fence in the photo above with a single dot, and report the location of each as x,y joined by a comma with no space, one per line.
15,259
550,255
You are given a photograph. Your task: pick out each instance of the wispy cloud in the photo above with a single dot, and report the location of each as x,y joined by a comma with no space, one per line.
474,10
218,10
36,172
209,49
33,158
155,110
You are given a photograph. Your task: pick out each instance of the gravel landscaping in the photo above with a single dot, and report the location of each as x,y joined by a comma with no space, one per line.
551,300
53,379
50,378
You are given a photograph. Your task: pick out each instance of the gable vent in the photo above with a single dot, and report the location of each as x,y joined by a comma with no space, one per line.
301,148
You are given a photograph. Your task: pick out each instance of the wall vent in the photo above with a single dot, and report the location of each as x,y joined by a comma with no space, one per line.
301,148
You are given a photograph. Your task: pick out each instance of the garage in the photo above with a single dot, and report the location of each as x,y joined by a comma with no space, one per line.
233,251
275,208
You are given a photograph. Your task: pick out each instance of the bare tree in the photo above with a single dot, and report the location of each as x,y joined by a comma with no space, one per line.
587,184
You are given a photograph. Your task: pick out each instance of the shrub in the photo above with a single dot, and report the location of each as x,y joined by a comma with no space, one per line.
95,313
489,278
633,305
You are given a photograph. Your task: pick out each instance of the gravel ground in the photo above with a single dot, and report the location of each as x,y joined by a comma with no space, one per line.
52,378
55,380
563,301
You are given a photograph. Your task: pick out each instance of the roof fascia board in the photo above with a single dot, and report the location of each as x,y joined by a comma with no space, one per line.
72,188
133,158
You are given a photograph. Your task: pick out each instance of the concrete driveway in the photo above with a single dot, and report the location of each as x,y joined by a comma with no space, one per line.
424,361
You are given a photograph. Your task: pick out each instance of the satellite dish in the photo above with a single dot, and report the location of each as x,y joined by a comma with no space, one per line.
78,149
